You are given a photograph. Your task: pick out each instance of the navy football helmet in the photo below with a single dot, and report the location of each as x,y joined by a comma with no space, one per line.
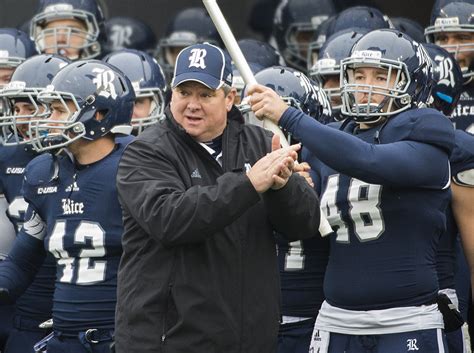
15,47
337,47
410,27
147,80
188,27
259,56
92,87
296,89
29,78
448,79
366,17
76,42
450,17
294,26
319,38
408,80
127,32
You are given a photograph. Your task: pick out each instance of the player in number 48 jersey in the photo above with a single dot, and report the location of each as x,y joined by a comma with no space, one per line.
73,210
384,182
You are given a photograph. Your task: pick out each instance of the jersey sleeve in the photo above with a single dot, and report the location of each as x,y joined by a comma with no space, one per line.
462,159
416,157
25,258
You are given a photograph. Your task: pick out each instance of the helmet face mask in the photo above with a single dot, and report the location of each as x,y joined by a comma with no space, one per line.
386,73
49,134
393,90
15,125
155,112
149,84
452,28
70,29
20,97
88,100
327,70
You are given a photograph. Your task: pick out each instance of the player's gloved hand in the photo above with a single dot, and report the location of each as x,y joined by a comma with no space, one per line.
5,297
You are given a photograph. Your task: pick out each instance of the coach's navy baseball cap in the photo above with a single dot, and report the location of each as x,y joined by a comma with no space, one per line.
204,63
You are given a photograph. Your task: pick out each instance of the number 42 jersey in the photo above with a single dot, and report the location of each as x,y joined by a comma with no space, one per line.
74,214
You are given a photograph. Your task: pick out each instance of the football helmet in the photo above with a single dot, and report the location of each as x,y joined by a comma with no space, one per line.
15,47
296,89
294,26
366,17
147,80
86,41
337,47
410,27
103,99
448,79
188,27
29,78
454,17
319,38
408,78
127,32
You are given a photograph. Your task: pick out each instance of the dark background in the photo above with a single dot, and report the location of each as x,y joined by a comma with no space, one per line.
157,13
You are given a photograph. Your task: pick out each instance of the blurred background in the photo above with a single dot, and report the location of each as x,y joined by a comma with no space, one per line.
245,17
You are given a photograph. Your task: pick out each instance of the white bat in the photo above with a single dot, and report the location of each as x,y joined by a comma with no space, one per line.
247,74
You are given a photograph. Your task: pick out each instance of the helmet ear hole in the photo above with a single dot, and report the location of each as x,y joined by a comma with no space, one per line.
101,114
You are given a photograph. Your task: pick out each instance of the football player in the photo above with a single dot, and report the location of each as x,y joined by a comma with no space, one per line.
15,48
301,263
148,82
33,75
452,28
190,26
128,32
384,182
446,93
294,26
73,211
327,69
72,28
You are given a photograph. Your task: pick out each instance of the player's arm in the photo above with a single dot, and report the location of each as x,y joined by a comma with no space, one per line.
25,258
463,210
405,163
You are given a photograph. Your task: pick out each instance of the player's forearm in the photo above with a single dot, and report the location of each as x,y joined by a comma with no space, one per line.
404,163
18,270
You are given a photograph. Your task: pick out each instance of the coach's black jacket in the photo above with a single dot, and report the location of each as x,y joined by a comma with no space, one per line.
199,270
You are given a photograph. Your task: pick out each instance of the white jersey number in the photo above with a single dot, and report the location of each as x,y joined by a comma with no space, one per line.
294,258
17,209
88,270
364,209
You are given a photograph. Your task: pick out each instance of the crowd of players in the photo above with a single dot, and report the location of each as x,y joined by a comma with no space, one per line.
76,77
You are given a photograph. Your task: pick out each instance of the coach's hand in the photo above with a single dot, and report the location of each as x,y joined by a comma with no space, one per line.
274,170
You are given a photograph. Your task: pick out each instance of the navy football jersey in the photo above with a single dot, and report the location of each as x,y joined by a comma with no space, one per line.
75,212
36,302
387,209
461,160
302,266
13,160
463,115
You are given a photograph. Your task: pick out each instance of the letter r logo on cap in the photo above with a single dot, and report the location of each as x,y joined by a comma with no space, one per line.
197,58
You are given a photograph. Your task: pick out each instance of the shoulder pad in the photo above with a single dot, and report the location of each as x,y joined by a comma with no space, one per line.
426,125
462,157
42,169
